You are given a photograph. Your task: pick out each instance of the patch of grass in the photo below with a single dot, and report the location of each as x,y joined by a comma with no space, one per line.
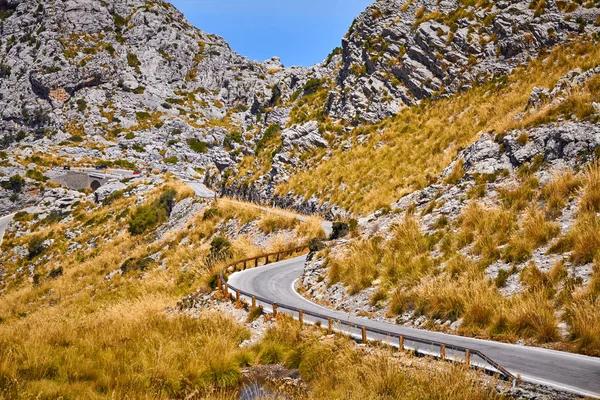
254,313
270,223
197,146
149,216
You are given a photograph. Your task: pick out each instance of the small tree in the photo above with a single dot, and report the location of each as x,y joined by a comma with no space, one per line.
220,249
340,229
35,247
15,183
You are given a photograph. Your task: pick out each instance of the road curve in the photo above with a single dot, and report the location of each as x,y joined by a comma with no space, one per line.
4,221
201,190
566,371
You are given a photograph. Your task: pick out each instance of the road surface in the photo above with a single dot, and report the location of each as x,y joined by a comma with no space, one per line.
201,190
570,372
4,221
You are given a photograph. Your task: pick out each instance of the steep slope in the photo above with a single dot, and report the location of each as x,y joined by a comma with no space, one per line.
133,81
400,52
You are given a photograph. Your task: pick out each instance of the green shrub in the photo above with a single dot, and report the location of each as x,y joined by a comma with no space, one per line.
197,146
501,279
270,133
142,115
171,160
36,175
340,229
35,247
55,272
136,264
132,61
148,216
15,183
113,197
210,214
119,21
81,105
220,248
316,244
313,85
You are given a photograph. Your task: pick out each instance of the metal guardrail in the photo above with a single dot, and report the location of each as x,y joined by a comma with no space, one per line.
443,351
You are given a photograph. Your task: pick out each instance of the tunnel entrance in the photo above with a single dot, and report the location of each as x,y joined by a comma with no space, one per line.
95,185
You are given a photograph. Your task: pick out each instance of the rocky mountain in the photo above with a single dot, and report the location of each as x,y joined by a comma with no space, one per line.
399,52
133,84
134,81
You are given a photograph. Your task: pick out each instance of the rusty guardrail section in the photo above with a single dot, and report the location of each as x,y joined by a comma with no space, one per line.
443,351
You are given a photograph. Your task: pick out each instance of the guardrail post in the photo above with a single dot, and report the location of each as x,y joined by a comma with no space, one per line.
443,352
468,357
274,309
253,301
255,262
401,343
364,334
300,315
244,265
277,257
330,331
237,295
266,259
219,282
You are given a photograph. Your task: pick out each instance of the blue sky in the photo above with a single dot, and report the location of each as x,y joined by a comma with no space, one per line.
301,32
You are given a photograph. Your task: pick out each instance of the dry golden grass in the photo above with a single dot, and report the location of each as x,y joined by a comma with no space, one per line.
270,223
80,335
583,316
333,367
422,140
453,285
311,228
590,200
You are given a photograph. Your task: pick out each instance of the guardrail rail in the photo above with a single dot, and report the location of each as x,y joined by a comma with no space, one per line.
443,351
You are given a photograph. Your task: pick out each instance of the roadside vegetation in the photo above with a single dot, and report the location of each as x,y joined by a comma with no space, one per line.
441,273
332,366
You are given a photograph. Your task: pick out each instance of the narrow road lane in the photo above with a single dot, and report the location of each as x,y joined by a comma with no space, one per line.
4,221
571,372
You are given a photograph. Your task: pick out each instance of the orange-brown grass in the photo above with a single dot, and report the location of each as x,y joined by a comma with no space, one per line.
332,366
79,334
422,140
453,285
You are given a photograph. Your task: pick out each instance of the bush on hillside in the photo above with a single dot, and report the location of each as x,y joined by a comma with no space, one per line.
148,216
220,248
316,244
197,146
35,247
15,183
340,229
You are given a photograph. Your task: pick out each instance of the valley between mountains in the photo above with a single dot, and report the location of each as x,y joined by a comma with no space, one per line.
442,165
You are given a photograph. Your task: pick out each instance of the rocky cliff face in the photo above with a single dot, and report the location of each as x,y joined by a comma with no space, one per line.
399,52
133,80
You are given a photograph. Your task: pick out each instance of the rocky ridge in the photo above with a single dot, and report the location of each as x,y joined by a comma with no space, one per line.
400,52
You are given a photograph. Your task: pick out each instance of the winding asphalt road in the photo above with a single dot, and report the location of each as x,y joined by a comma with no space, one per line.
4,221
570,372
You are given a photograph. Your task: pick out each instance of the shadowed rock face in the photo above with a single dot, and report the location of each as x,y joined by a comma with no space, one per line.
399,52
